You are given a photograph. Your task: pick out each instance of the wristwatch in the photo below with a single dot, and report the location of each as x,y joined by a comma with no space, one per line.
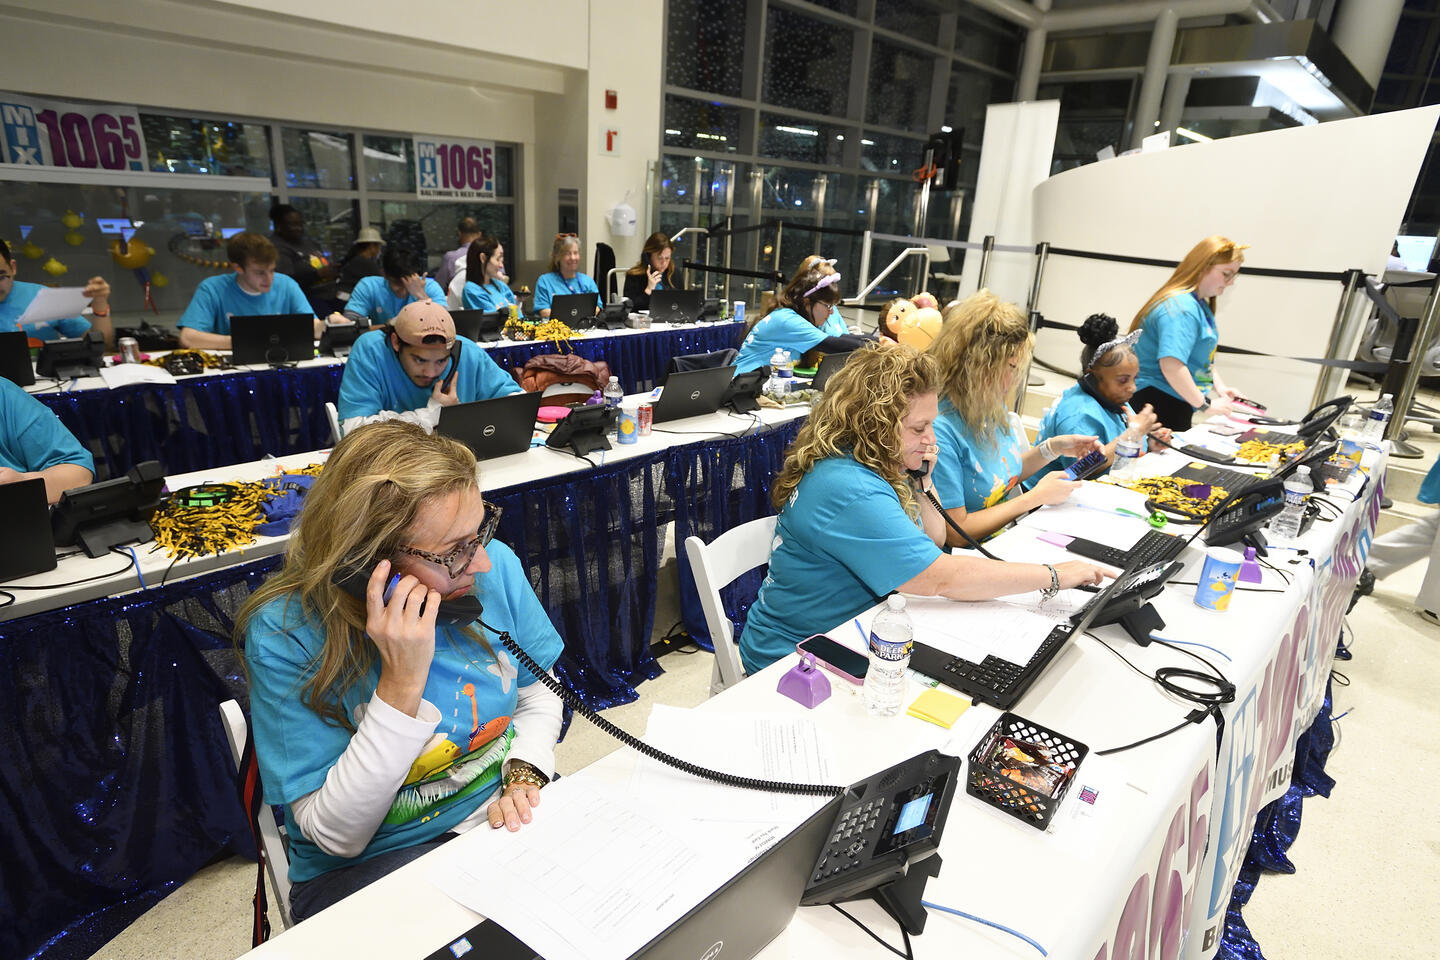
1048,592
526,773
1204,406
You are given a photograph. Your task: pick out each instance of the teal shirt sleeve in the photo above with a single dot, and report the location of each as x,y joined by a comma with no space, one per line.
363,297
1175,328
545,290
481,378
206,312
877,540
292,298
362,384
433,290
32,438
475,297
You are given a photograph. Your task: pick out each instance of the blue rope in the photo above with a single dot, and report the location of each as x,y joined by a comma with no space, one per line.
988,923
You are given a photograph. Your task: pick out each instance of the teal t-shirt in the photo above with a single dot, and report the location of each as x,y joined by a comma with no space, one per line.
1076,411
973,472
489,297
1180,326
552,285
374,380
217,299
32,438
835,324
373,298
782,329
21,296
842,542
475,693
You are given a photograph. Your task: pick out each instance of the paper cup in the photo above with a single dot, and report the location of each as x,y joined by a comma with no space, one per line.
1217,578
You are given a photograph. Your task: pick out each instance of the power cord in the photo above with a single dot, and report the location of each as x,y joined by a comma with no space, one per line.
988,923
909,954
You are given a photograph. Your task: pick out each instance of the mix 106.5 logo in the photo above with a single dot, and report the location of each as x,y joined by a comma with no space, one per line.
45,134
450,168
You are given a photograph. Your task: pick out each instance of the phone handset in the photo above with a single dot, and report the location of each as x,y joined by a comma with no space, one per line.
468,609
454,367
1315,422
918,476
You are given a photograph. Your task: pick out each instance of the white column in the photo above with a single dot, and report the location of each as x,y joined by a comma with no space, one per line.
1152,84
1363,29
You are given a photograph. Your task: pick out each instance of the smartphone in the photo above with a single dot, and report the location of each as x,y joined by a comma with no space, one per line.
835,657
1086,465
454,367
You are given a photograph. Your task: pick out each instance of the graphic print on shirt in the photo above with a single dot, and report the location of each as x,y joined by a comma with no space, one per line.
446,771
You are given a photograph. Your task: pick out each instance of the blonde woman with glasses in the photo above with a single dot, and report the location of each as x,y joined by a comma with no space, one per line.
381,732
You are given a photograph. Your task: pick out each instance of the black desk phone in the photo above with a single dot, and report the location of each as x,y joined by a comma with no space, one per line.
885,838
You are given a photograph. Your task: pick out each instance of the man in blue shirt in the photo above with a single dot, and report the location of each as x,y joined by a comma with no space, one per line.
16,295
34,443
399,373
380,299
252,289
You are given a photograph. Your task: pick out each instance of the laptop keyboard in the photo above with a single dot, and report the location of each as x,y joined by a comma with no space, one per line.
1154,547
1233,481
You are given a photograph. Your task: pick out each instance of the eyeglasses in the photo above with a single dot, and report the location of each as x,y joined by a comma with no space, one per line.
458,559
562,236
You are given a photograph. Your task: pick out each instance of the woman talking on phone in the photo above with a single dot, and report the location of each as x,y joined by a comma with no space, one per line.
655,271
381,732
855,524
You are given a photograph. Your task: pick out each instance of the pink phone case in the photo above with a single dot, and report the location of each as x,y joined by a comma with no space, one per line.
827,665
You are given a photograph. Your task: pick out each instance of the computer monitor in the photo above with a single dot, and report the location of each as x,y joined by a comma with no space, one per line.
272,338
15,364
29,547
1415,252
104,514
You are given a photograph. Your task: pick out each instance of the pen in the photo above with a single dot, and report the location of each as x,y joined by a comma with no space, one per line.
1119,510
865,639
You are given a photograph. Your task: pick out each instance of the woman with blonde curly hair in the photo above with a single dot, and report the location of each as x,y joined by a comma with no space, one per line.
1178,336
853,523
381,731
981,352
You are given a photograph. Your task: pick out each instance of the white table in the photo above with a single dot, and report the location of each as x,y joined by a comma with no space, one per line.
1142,870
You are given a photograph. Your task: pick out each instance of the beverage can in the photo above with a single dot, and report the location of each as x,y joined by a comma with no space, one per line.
627,427
129,350
1217,579
645,418
739,311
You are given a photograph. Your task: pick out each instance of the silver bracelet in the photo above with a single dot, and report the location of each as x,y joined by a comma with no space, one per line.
1046,450
1047,593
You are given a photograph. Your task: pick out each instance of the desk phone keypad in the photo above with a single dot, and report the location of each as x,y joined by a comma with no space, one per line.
846,847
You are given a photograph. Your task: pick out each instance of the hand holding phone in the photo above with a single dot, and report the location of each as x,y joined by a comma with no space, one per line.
1087,466
400,620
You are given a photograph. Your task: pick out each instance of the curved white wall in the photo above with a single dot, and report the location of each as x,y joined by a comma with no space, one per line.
1325,197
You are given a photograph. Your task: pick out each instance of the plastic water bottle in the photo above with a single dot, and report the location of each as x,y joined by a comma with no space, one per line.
1127,454
1379,419
776,385
614,393
890,637
786,369
1298,486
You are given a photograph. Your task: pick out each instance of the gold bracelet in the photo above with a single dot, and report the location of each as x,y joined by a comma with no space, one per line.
522,772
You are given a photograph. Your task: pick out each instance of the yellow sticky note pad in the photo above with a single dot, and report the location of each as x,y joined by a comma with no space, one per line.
938,707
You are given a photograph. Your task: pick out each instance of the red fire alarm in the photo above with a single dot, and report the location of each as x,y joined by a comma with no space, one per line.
612,99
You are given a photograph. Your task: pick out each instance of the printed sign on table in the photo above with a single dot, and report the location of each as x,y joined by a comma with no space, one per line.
448,169
55,133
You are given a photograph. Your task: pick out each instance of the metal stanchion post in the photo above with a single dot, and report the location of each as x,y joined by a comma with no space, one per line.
1395,431
1042,253
985,252
1338,335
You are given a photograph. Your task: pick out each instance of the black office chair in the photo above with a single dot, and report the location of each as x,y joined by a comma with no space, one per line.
701,361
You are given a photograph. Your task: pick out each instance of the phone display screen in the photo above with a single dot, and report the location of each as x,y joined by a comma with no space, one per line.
838,656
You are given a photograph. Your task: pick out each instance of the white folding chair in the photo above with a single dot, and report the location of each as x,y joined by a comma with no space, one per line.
333,415
714,567
275,857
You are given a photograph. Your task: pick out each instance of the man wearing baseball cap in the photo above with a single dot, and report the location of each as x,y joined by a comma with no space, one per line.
399,372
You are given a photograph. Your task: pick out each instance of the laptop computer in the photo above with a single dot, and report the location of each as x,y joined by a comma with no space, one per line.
467,323
273,339
676,306
575,310
829,366
1000,682
735,922
31,546
492,428
15,364
693,393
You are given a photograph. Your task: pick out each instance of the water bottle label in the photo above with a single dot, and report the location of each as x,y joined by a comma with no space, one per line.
885,650
1379,415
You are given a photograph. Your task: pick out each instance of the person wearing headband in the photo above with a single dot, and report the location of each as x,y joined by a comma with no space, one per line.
797,321
1179,336
400,372
382,731
982,349
1096,404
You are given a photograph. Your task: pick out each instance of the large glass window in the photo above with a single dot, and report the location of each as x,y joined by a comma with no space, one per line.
389,163
971,91
219,147
429,228
333,221
706,49
914,18
899,86
884,153
701,125
807,63
787,138
317,158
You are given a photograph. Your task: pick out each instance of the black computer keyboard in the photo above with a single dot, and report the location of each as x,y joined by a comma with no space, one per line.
1233,481
1154,547
992,680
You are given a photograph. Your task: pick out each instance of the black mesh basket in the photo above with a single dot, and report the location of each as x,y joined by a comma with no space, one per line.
1021,802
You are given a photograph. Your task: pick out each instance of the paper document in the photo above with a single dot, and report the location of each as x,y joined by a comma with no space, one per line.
124,374
973,630
765,747
54,303
590,877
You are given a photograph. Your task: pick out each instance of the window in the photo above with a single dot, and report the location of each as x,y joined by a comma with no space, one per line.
787,138
389,163
910,17
429,228
899,94
706,45
807,63
220,147
701,125
317,158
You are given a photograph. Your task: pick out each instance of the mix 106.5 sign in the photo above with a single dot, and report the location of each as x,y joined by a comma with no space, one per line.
54,133
454,169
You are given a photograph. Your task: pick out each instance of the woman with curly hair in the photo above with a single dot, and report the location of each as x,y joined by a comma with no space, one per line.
981,353
853,523
1097,402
